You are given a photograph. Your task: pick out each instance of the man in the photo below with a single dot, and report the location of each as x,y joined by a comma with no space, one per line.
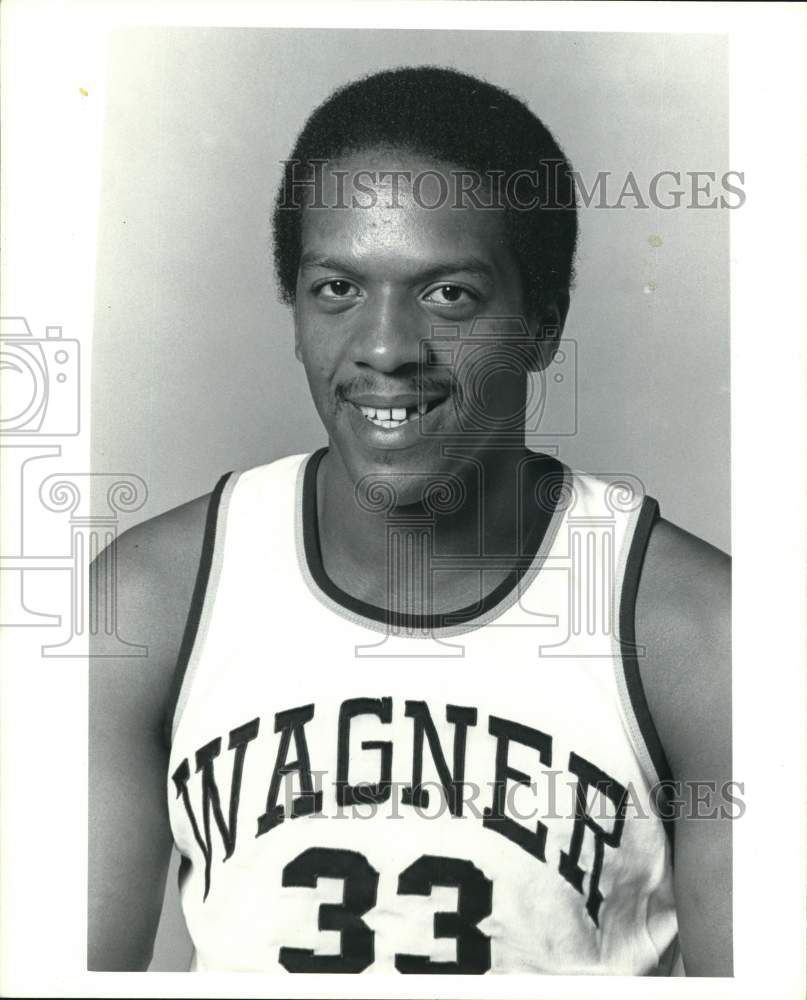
392,718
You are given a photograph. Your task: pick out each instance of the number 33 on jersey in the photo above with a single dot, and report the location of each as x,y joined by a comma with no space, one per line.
488,812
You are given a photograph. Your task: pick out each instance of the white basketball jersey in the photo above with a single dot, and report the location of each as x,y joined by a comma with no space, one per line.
353,790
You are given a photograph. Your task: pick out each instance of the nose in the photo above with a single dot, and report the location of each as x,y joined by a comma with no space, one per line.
388,335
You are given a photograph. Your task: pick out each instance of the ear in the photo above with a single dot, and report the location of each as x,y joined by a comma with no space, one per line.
297,349
548,329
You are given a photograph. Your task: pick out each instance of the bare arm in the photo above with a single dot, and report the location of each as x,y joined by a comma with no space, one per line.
129,834
683,617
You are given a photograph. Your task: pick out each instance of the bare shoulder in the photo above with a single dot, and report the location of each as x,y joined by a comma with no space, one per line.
156,567
155,564
153,546
683,619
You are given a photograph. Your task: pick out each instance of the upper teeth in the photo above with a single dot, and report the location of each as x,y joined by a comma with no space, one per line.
392,416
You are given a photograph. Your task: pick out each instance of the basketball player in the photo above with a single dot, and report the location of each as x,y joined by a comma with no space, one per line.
423,701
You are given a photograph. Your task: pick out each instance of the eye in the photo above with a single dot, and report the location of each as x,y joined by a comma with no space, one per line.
450,295
337,288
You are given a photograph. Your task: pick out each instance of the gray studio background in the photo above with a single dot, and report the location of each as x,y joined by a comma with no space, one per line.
193,368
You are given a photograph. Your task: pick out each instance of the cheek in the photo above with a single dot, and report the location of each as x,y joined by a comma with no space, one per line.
492,382
316,351
317,369
313,346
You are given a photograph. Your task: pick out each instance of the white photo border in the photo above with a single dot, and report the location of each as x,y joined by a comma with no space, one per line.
53,100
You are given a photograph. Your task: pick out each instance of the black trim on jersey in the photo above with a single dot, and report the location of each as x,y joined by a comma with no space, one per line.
313,556
648,516
197,603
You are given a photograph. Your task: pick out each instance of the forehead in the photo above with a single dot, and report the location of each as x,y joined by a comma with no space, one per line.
385,206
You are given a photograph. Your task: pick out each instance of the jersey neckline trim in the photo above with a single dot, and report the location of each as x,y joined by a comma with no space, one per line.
537,544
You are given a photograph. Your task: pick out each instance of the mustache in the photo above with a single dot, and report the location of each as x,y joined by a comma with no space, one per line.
415,384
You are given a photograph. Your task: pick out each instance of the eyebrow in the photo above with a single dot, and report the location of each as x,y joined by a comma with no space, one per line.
469,265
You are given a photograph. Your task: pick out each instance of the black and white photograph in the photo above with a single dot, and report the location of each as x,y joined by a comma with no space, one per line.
406,616
398,544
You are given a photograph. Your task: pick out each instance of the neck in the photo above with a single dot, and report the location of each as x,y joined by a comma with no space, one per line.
379,557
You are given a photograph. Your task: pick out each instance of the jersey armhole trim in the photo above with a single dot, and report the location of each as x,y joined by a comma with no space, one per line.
216,510
631,688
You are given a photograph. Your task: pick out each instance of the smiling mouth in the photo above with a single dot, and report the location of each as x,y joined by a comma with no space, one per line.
395,416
